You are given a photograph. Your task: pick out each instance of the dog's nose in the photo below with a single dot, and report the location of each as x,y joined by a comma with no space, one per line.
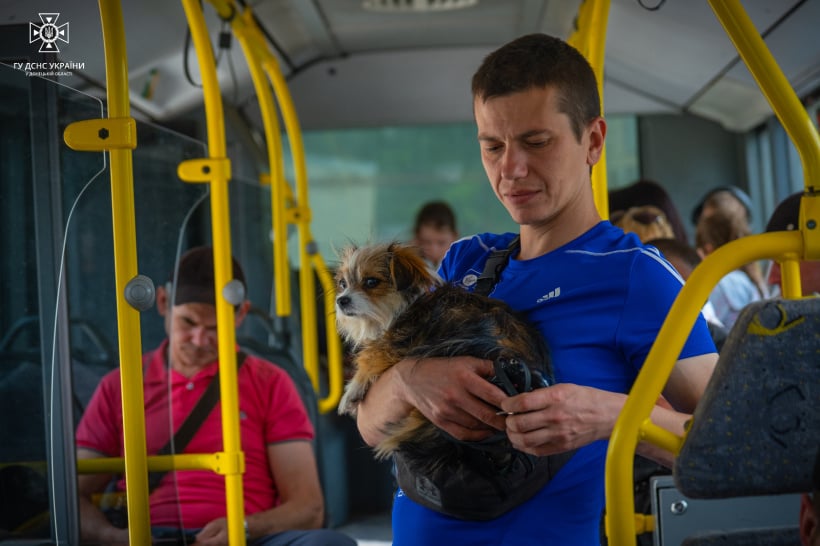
343,301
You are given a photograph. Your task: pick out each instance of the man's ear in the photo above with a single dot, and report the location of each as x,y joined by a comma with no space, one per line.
162,300
242,312
597,135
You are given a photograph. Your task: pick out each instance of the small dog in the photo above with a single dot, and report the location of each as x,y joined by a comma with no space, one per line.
390,305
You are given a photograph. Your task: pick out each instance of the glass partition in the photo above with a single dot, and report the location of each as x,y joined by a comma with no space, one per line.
37,170
58,328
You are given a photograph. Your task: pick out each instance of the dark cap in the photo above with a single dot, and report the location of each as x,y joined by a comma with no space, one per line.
786,215
736,192
195,276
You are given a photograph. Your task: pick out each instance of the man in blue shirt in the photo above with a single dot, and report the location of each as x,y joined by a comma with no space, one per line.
598,296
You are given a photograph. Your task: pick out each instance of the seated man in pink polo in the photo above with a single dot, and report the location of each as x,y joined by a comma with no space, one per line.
283,497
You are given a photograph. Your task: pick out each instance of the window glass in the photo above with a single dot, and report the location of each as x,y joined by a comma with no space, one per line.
367,184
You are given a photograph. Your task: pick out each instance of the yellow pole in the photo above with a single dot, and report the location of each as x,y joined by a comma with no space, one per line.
254,53
629,427
301,216
789,111
261,61
590,40
217,172
125,268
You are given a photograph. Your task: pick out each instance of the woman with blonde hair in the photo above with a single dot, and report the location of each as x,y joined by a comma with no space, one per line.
740,287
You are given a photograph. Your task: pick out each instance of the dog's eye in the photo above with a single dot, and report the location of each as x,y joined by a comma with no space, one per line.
371,282
342,284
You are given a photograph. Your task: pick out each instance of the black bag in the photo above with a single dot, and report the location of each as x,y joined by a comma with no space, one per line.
489,478
474,489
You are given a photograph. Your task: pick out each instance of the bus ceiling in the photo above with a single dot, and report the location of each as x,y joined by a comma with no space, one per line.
354,63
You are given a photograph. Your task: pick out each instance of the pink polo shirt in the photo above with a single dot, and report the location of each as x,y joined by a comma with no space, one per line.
270,411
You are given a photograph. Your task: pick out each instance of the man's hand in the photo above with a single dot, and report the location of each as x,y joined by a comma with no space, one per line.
560,418
454,394
215,533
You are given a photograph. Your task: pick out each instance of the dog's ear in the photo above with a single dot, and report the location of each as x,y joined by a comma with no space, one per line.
408,269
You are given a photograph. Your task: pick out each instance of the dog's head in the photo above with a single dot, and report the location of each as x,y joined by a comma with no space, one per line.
375,284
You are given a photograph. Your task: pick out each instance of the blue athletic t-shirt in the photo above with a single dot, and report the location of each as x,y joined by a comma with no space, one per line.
600,301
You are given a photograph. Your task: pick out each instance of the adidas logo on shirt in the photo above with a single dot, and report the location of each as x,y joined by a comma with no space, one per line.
552,294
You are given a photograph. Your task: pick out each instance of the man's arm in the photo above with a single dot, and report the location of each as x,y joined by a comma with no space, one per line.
453,393
297,480
302,505
567,416
94,526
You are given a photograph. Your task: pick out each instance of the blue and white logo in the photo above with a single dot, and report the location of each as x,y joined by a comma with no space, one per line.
550,295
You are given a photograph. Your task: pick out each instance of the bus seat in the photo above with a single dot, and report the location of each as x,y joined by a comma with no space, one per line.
285,360
757,428
754,435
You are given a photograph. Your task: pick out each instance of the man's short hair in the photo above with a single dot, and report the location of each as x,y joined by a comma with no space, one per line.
786,215
538,61
437,214
195,277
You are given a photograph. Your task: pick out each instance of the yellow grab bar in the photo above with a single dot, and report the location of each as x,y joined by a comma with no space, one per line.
787,108
216,171
117,134
630,427
309,257
786,247
590,40
286,210
255,53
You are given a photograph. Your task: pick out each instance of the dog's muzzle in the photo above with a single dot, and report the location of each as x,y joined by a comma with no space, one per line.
344,304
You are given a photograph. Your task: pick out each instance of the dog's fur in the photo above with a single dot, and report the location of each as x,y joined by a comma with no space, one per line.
390,305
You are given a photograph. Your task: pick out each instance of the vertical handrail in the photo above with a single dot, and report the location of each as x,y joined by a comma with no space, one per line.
789,111
270,121
590,40
309,258
633,424
125,268
302,216
216,170
261,62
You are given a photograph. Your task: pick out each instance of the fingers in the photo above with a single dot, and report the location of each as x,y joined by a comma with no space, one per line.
538,423
454,394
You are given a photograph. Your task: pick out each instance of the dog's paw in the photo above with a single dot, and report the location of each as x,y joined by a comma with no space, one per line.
353,395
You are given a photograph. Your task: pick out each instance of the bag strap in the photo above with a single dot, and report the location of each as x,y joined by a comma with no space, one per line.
493,267
188,428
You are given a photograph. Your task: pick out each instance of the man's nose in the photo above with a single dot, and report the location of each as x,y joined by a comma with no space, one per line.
513,163
201,336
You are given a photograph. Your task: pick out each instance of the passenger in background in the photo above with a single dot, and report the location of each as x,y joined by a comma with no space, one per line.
785,218
739,287
434,231
648,192
282,492
730,200
647,222
684,258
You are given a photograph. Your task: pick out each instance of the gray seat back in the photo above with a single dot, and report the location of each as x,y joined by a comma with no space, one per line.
756,430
